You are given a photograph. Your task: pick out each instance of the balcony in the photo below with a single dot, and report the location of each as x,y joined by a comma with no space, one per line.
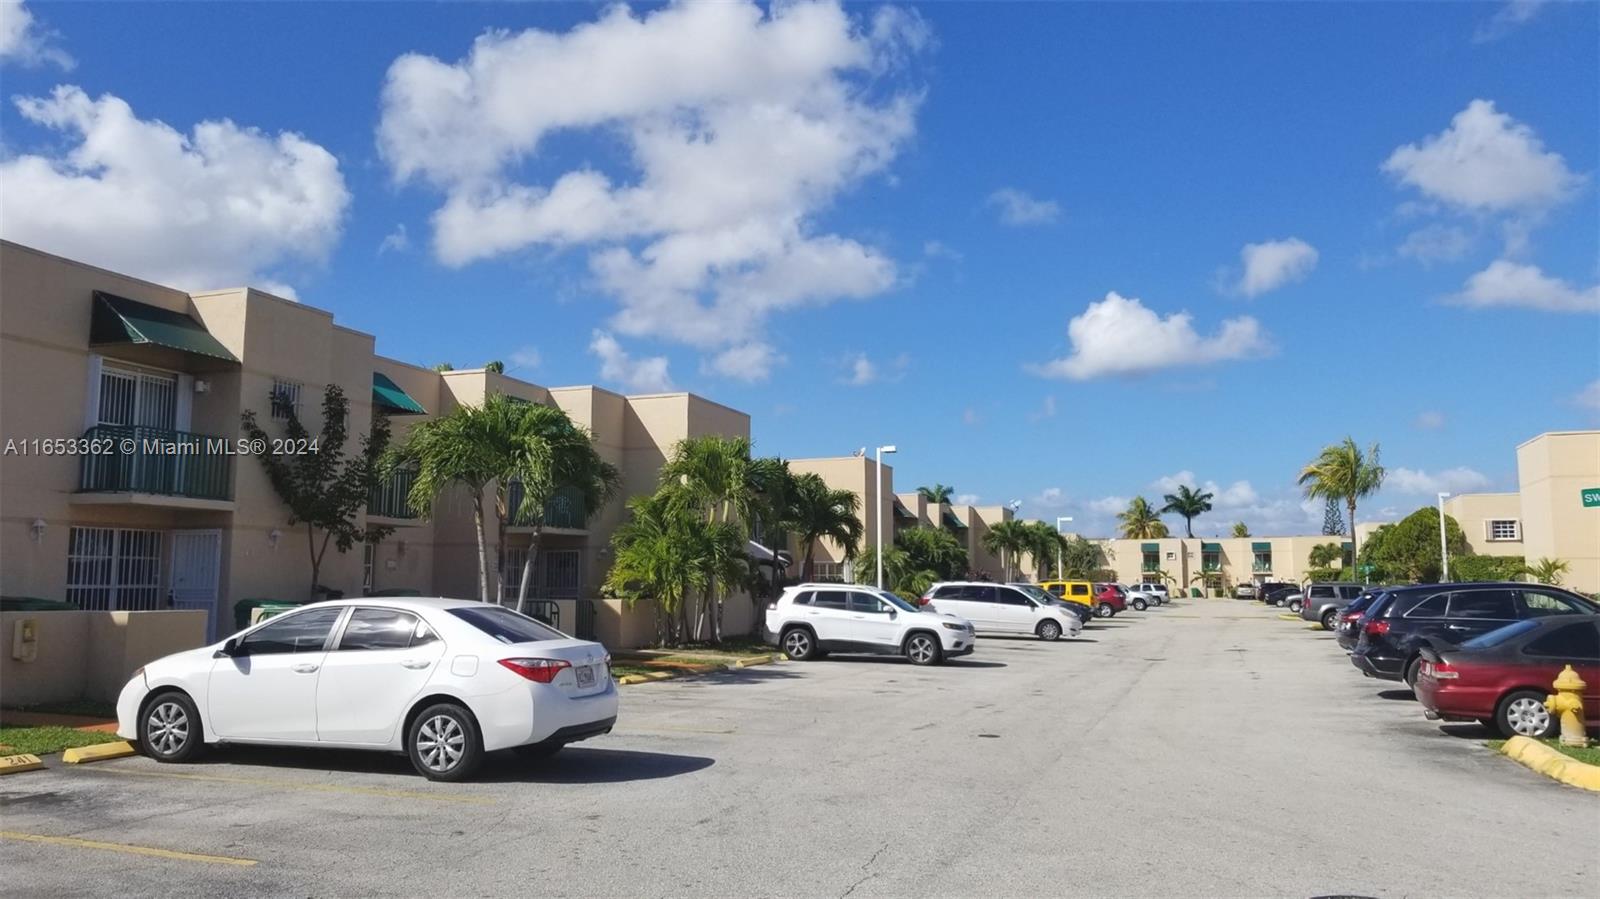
391,497
564,511
156,466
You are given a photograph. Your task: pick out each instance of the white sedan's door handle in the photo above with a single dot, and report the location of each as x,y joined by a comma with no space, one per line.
305,668
415,663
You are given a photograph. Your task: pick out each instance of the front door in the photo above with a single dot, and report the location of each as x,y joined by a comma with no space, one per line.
870,621
267,690
1015,613
196,572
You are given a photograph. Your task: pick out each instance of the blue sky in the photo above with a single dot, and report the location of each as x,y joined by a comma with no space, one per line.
887,224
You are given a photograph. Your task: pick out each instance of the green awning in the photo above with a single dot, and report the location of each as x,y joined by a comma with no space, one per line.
1348,546
1150,548
121,320
1211,547
1261,547
900,510
388,396
951,521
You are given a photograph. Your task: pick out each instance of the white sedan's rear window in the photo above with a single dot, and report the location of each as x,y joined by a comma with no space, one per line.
507,626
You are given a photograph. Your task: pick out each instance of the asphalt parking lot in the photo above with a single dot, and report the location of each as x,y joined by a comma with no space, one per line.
1207,748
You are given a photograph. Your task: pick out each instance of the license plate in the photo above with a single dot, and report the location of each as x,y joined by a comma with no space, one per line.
585,675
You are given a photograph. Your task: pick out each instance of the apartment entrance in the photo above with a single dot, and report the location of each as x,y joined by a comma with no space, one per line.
196,573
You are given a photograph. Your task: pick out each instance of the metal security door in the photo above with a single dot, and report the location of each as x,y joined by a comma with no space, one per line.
196,572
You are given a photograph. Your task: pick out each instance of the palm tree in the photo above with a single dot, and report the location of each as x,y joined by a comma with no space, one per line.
1189,503
656,556
815,511
938,493
1342,471
1043,543
932,549
1548,571
1141,521
1240,529
1006,539
553,454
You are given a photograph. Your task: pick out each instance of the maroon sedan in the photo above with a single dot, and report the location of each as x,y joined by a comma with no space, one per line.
1109,599
1502,678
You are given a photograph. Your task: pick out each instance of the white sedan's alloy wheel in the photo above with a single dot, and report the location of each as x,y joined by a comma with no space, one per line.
441,743
167,727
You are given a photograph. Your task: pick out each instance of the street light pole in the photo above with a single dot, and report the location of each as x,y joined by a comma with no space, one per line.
1444,548
1067,518
1005,567
877,551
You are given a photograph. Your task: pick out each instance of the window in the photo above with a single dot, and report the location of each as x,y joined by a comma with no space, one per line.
1080,589
803,599
1350,591
138,397
1577,642
1479,605
1012,598
1503,529
829,599
827,572
295,632
1539,604
380,629
974,593
1056,589
1500,635
285,399
505,625
1319,591
114,570
1263,561
866,602
1151,561
368,551
1432,607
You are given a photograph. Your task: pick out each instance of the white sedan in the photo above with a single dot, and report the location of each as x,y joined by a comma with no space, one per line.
442,680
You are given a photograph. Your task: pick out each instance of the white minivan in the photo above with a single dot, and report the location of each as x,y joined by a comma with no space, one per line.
1003,609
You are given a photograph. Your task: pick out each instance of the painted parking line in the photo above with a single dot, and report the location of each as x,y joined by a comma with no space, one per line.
277,784
128,848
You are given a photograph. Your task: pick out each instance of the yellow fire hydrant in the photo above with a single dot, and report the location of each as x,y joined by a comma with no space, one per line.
1568,703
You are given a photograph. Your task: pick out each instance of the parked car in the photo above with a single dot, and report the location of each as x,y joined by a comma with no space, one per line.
1159,591
1076,592
1501,678
1273,592
1246,590
1390,644
1133,593
1083,612
1136,601
1002,609
442,680
1322,602
1348,627
811,620
1109,600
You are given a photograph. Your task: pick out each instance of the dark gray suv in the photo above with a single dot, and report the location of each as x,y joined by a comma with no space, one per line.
1324,601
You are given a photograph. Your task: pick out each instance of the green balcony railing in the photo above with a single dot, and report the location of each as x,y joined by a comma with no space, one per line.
124,459
564,510
391,497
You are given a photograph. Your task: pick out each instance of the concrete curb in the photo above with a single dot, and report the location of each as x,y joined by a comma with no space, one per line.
98,752
16,764
1552,763
1289,616
683,670
760,660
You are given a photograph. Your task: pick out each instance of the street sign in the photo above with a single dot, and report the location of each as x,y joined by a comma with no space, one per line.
1591,497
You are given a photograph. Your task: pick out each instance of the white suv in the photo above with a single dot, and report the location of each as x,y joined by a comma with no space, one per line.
1004,609
1159,591
811,620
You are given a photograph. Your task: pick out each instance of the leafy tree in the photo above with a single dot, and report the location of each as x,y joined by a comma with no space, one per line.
1343,472
1549,571
552,453
495,366
1008,540
1332,520
660,553
932,549
326,490
815,511
938,493
1486,568
1409,549
1323,555
444,366
1141,521
1240,530
1084,559
1189,503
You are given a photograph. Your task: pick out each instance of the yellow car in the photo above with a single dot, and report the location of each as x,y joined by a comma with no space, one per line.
1080,592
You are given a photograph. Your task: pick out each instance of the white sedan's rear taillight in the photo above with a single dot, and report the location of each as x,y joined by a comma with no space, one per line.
540,671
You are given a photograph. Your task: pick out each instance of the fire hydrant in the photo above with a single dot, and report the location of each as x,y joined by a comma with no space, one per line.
1568,703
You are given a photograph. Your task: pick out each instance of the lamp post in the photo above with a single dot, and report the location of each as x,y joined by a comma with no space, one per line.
877,552
1444,548
1059,520
1005,567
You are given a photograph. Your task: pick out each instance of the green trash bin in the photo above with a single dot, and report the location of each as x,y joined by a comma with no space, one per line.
243,608
34,604
1194,593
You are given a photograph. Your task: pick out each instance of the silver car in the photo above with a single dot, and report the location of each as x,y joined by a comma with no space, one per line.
1323,602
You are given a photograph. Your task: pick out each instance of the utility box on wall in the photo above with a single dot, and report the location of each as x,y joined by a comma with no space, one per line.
25,639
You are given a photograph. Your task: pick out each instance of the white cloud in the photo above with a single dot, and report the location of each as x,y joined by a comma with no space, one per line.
526,358
1430,420
220,207
1506,283
1436,243
22,42
1485,161
738,128
396,241
1451,480
862,371
938,249
750,362
1050,498
1170,483
1108,505
1506,19
1274,263
648,375
1046,410
1018,209
1589,397
1120,336
966,499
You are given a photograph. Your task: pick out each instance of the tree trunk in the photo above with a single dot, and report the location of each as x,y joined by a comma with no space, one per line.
527,567
483,548
805,570
316,563
1353,547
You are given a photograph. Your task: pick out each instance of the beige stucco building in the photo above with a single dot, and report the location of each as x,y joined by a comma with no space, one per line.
163,512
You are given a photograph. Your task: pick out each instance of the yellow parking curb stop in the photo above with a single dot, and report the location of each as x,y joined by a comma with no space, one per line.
16,764
761,660
1552,763
1288,616
98,752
